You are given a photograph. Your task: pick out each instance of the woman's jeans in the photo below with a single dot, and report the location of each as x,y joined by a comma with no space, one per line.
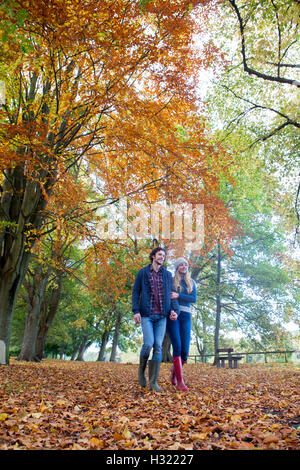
154,329
180,335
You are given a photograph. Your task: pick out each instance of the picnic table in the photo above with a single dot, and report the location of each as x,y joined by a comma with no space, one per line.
227,356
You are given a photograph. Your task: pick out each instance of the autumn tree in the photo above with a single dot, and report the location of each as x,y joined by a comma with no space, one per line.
252,105
279,20
106,83
110,271
252,287
255,91
54,255
42,290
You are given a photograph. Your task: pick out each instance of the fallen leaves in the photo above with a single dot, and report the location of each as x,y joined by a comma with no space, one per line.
100,406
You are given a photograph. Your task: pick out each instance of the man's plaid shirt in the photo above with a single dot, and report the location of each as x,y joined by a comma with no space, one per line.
156,292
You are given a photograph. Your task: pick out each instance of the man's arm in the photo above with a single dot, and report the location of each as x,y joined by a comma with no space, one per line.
175,306
174,302
136,295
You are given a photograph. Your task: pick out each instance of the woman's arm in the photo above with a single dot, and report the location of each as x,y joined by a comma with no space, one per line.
192,297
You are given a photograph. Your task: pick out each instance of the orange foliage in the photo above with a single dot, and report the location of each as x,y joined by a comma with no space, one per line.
110,270
107,86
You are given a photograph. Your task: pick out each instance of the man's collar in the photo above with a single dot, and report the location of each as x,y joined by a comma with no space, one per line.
152,269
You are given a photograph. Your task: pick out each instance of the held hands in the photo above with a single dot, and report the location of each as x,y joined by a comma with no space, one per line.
137,317
173,315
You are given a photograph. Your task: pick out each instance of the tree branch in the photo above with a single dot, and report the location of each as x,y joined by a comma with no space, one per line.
248,69
297,214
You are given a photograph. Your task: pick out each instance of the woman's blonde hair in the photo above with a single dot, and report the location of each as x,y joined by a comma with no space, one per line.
187,278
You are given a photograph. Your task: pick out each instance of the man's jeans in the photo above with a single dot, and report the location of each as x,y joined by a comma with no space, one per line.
154,329
180,335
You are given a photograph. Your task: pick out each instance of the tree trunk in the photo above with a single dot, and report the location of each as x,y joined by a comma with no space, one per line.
13,257
48,312
8,295
113,355
36,292
166,347
202,350
82,348
10,282
104,341
218,305
21,206
75,351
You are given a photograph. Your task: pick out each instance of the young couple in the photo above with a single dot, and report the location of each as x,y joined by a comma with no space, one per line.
160,302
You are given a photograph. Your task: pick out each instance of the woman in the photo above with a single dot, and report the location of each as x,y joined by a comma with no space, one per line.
180,330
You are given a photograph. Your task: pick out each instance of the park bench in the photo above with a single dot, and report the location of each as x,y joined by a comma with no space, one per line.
231,358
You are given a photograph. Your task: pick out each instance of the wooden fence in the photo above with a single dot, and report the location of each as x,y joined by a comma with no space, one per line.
202,358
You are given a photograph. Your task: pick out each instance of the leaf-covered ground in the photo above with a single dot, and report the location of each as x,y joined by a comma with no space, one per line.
73,405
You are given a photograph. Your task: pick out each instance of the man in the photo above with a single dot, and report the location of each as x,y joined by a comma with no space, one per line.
151,305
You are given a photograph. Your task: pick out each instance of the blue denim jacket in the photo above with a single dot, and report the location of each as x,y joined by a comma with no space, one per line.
185,299
141,293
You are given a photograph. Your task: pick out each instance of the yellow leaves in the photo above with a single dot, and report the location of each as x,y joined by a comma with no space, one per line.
94,443
126,433
198,436
61,403
3,416
235,418
180,446
123,432
101,35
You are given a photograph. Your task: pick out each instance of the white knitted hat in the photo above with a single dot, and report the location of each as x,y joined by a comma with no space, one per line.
179,261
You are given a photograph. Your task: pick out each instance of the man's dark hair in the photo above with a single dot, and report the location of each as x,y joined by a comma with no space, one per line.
154,251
